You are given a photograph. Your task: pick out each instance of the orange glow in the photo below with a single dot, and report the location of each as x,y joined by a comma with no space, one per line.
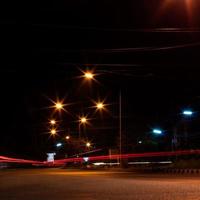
67,137
53,122
59,105
83,120
53,131
89,75
88,144
187,5
100,106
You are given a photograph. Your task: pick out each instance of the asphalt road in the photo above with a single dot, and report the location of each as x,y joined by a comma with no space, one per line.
63,184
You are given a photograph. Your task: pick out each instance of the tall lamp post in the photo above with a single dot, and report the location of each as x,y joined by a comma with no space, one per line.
82,121
120,128
89,75
187,115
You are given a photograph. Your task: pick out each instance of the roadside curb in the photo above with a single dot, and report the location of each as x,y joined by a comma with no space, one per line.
182,171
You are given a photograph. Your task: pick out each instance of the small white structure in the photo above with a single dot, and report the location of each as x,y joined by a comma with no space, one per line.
86,159
50,157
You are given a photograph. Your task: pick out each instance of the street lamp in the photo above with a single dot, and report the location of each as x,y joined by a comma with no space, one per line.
187,113
157,131
53,131
100,106
88,75
58,106
82,121
52,122
58,144
67,137
88,144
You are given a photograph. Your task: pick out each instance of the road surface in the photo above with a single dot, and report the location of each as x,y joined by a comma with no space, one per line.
63,184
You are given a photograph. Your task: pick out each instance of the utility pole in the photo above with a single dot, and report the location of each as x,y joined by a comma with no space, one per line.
120,128
79,131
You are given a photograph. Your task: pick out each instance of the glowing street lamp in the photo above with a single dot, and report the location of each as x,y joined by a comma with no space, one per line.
88,75
58,144
59,106
88,144
52,122
67,137
100,106
187,113
53,131
83,120
157,131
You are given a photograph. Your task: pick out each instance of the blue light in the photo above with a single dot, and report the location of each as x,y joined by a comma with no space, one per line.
157,131
59,144
187,112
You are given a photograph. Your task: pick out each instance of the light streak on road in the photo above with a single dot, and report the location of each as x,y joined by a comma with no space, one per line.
4,159
126,156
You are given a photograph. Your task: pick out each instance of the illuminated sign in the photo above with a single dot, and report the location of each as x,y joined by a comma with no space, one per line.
50,157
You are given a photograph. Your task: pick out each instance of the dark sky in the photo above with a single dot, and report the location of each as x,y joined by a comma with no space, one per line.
157,46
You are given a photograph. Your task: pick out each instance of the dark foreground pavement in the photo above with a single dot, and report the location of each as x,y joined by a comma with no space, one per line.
63,184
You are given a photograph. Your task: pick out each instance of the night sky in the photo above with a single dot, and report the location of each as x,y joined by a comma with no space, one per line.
148,49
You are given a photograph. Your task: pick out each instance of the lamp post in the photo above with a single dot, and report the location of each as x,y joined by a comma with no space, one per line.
82,121
89,75
188,113
120,128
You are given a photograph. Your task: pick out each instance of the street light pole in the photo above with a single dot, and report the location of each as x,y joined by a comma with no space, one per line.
188,114
79,130
120,128
82,121
88,75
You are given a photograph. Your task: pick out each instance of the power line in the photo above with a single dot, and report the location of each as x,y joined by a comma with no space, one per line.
139,30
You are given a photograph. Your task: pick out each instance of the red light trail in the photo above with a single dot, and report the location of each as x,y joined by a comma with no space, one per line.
125,156
4,159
